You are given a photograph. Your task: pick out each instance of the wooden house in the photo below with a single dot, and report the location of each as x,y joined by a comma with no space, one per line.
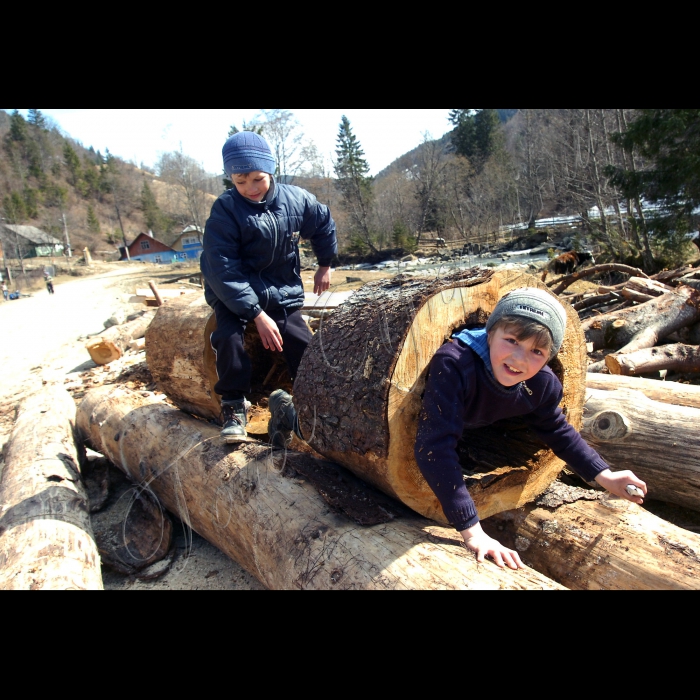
190,242
28,242
149,249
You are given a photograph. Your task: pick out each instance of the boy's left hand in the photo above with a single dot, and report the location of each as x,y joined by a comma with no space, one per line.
322,280
616,483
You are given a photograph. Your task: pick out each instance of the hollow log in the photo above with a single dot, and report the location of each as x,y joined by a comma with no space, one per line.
278,528
660,442
643,326
676,357
359,385
665,392
602,544
46,540
112,343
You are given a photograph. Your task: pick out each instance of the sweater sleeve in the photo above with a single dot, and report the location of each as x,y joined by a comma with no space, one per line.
550,425
440,426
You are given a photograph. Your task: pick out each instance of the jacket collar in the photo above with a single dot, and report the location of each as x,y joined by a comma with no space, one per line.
269,197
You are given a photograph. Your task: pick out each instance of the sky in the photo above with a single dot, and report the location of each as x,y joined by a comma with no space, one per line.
141,135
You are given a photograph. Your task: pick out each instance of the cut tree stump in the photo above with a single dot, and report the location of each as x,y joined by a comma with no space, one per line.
278,527
112,343
676,357
359,385
46,540
588,540
665,392
659,442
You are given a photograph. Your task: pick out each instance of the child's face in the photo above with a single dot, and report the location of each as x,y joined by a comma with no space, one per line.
514,360
252,185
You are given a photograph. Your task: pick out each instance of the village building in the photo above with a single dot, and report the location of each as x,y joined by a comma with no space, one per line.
149,249
190,242
22,241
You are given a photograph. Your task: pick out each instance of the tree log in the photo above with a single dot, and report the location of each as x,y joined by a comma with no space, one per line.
660,442
602,544
278,528
597,300
676,357
359,386
112,343
46,541
643,326
182,361
665,392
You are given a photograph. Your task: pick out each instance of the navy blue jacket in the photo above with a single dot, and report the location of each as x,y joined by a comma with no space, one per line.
461,393
250,260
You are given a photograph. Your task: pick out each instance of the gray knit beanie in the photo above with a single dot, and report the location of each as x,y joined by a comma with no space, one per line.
535,305
246,152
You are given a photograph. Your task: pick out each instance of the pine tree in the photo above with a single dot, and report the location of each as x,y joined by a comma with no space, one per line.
353,182
18,127
70,157
93,223
14,209
151,211
36,119
477,134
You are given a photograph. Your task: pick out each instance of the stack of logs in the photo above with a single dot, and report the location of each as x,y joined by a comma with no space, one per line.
338,516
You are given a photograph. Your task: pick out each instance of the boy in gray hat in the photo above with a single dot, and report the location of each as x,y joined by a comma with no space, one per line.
500,371
251,270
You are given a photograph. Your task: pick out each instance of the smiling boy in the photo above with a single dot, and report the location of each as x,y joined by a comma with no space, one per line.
251,270
497,372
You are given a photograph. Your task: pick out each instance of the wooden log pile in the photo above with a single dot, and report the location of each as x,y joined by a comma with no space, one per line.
352,510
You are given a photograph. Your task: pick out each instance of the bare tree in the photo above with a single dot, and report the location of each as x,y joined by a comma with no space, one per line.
191,179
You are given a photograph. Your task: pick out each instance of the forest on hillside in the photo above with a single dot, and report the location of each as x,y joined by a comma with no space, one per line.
631,177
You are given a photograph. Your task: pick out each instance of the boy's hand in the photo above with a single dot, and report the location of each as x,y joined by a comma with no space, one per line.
322,280
269,332
478,541
616,483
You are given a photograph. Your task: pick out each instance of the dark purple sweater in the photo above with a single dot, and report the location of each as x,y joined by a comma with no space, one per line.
461,393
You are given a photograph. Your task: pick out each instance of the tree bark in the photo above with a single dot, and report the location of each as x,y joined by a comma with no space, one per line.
676,357
112,343
660,442
46,541
643,326
359,386
278,528
602,544
665,392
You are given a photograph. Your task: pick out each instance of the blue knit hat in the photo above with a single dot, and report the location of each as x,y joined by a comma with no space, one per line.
246,152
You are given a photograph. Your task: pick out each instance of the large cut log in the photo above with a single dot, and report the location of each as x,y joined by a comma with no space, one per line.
660,442
677,357
359,385
182,362
112,343
278,528
643,326
602,544
46,541
665,392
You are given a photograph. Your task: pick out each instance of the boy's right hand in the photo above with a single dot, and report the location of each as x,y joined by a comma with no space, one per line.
269,332
479,542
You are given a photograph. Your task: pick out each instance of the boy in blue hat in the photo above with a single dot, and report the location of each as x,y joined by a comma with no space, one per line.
494,373
251,270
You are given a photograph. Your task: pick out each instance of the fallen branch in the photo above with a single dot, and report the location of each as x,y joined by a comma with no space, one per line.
564,282
676,357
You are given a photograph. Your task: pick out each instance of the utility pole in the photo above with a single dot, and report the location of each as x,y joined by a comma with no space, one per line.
69,252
